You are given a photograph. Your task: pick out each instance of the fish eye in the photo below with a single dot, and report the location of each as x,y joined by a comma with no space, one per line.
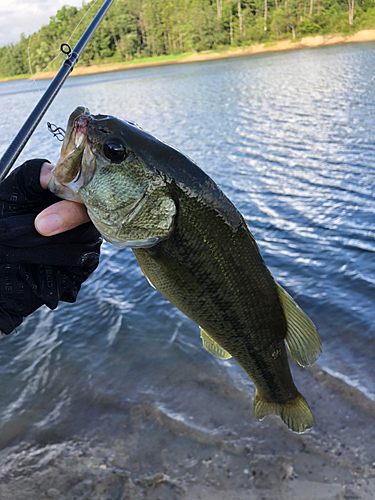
114,150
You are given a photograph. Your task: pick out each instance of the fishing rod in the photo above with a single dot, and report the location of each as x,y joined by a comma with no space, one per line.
19,142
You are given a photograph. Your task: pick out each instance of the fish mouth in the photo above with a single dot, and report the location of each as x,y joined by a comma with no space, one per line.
69,170
80,128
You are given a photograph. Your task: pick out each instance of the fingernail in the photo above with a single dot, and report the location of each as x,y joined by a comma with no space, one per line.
49,224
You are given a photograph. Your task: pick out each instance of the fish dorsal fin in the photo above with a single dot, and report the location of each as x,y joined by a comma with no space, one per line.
301,338
213,347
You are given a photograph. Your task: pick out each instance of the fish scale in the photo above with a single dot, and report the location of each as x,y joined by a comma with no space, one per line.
237,321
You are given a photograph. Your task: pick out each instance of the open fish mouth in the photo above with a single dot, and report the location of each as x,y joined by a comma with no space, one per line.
69,165
77,163
80,128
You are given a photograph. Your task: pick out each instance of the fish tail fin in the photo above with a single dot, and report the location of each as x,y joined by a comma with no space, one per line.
296,413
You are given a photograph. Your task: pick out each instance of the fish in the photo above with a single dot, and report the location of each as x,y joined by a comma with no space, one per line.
195,248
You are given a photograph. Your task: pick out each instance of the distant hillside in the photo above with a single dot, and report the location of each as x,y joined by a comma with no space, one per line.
147,28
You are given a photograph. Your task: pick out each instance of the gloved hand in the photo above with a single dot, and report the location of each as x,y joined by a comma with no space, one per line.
35,269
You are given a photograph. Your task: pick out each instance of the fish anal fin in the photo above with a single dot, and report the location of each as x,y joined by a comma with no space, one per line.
213,347
301,338
296,413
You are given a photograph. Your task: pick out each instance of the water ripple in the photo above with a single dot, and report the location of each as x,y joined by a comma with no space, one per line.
289,138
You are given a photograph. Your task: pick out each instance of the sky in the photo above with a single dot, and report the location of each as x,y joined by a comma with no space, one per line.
27,16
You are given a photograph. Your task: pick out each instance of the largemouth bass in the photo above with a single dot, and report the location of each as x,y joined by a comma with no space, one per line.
193,246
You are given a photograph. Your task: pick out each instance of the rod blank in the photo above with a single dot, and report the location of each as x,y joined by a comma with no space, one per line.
12,153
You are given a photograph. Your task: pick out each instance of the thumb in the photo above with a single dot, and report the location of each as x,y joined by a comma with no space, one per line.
60,217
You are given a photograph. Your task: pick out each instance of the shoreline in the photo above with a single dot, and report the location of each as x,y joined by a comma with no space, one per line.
257,48
154,454
367,35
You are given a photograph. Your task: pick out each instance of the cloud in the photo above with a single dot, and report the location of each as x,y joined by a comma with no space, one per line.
27,16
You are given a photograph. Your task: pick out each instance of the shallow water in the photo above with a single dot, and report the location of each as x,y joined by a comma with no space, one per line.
289,139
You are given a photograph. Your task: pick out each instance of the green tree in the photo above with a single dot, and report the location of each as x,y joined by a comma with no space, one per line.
139,28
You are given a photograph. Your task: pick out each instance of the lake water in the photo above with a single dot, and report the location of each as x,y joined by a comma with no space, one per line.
289,137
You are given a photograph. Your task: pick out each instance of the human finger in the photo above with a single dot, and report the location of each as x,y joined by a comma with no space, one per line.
61,216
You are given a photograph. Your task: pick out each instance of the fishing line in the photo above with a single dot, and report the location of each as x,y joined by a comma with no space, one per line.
34,81
75,29
60,54
65,51
29,60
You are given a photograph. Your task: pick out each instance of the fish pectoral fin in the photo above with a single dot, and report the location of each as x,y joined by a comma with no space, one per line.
213,347
296,413
147,278
301,338
140,243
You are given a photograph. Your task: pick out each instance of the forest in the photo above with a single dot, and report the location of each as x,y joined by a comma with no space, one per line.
136,29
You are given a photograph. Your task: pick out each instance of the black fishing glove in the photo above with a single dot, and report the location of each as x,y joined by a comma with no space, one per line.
35,269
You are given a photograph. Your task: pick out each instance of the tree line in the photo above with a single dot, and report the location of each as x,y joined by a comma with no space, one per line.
134,29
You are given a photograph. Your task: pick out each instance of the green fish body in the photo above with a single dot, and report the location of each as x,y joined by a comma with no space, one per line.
193,246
